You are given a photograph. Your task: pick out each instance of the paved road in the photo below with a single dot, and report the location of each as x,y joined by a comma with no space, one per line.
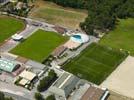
15,97
10,44
16,90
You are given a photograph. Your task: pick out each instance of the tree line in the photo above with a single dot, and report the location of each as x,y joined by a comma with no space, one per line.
102,14
82,4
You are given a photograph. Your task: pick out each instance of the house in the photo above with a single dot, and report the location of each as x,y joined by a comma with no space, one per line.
60,30
86,91
59,51
63,87
26,77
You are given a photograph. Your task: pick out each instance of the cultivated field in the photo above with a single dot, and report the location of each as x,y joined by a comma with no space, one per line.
39,45
9,26
52,13
95,63
122,37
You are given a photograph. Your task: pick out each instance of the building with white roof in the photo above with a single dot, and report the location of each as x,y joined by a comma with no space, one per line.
27,77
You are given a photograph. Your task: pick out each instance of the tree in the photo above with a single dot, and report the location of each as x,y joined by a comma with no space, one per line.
2,96
51,97
38,96
47,81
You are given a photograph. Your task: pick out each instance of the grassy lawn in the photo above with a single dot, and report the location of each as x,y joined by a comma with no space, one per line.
95,63
39,45
9,26
52,13
122,37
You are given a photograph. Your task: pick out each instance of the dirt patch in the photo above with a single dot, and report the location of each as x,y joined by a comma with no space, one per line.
58,15
116,96
121,80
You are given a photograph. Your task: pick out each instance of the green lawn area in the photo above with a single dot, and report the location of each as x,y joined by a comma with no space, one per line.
39,45
122,37
9,26
95,63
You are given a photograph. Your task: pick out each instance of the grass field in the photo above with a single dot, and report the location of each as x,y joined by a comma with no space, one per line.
95,63
52,13
39,45
9,26
122,37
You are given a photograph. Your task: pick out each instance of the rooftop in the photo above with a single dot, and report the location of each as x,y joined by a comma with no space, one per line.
58,51
27,75
93,93
64,85
7,65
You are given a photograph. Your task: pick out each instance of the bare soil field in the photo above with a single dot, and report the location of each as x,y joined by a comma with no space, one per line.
116,96
54,14
121,80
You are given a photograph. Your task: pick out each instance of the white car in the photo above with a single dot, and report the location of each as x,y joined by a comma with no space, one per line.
17,37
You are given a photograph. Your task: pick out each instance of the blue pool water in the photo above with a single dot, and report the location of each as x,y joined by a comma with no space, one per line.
77,38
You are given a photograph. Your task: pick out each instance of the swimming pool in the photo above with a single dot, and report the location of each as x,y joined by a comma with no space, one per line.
80,38
77,38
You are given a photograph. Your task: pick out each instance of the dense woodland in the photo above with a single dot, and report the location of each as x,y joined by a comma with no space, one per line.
82,4
102,14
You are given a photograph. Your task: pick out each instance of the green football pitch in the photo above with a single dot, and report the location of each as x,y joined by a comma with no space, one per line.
95,63
39,46
9,26
122,37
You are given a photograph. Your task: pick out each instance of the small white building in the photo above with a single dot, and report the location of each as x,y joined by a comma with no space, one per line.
27,77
